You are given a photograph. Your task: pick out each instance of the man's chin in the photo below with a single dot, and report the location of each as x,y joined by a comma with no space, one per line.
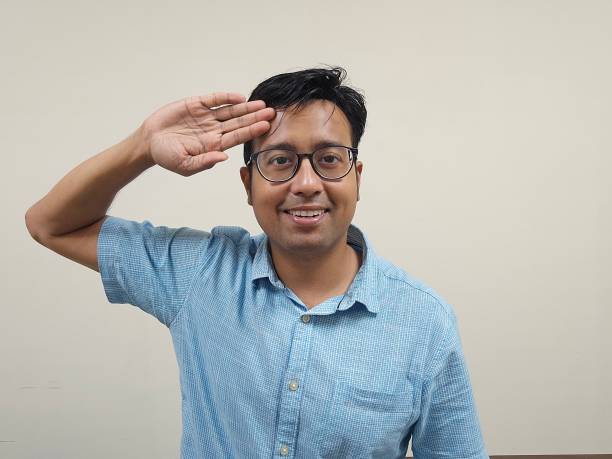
305,245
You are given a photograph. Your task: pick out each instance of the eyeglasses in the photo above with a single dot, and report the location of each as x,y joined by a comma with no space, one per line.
279,165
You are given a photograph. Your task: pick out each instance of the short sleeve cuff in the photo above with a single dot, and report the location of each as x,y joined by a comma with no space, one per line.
106,251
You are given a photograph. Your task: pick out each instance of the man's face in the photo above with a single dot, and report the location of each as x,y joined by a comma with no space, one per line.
304,131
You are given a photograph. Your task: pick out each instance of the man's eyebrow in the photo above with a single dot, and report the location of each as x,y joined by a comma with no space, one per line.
291,146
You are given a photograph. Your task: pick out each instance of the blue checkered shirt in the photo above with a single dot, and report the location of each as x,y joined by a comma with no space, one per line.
262,376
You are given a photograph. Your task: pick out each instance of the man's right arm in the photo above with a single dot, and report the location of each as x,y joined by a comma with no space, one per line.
186,136
68,219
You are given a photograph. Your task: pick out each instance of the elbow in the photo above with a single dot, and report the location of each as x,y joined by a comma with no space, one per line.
31,226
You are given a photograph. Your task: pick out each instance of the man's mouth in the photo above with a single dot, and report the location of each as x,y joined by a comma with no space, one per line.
306,213
306,217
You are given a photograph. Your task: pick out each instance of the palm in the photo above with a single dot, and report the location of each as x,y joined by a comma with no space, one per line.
190,135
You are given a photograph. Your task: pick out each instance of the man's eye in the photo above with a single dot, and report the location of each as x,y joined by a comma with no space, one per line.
279,160
330,161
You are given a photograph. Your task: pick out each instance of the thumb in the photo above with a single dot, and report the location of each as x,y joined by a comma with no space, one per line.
207,160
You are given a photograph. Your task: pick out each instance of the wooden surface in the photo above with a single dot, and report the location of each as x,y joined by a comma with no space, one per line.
555,456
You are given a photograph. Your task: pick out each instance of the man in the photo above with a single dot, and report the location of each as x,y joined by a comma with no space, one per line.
298,342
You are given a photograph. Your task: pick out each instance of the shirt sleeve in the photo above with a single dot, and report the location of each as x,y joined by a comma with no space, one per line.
448,426
151,267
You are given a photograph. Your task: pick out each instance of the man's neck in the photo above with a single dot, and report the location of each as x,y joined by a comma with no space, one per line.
317,277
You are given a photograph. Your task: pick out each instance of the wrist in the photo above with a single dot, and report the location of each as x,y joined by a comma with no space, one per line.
140,141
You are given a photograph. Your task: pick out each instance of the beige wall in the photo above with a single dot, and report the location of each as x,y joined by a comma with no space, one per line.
486,174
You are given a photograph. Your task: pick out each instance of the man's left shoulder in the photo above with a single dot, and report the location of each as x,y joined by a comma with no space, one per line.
413,292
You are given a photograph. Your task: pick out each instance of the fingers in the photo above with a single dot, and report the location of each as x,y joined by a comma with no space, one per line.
243,134
265,114
234,111
221,98
206,161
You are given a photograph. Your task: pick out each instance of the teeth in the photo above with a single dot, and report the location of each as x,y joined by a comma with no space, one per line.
306,213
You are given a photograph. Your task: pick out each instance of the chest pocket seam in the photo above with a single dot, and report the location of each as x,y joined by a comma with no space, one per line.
361,421
351,396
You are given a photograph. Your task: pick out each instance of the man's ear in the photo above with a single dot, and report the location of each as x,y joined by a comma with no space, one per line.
245,176
358,169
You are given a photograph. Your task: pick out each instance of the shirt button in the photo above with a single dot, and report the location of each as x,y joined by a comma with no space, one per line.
284,450
305,318
294,384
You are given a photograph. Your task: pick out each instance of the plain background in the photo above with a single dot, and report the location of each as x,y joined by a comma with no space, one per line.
486,175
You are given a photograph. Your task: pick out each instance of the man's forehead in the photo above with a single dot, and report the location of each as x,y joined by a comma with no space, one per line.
319,121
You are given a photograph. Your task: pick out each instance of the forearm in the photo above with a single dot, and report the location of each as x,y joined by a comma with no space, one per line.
84,195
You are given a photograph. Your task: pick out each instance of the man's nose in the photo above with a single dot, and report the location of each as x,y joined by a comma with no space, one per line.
306,181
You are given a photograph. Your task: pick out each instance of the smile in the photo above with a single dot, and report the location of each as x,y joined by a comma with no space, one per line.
306,213
306,217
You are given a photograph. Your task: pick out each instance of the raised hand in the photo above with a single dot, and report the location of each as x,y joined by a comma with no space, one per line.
191,134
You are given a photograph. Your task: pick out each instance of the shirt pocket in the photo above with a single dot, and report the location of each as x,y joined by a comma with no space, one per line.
363,422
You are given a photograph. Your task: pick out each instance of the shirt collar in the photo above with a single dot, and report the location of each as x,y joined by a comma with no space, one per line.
361,290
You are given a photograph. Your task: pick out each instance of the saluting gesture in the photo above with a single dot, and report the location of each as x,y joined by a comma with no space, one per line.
190,135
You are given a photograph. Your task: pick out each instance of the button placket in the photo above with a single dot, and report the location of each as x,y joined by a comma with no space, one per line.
290,402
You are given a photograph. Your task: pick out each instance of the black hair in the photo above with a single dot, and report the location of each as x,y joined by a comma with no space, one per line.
297,89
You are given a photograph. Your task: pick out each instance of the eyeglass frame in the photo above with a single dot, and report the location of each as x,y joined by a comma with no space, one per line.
353,152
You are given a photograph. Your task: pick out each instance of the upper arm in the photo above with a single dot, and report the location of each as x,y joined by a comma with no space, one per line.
151,267
448,424
79,245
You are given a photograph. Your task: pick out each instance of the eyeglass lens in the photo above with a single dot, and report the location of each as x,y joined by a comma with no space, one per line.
330,162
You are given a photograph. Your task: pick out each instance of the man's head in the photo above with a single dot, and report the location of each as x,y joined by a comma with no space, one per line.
313,109
297,89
